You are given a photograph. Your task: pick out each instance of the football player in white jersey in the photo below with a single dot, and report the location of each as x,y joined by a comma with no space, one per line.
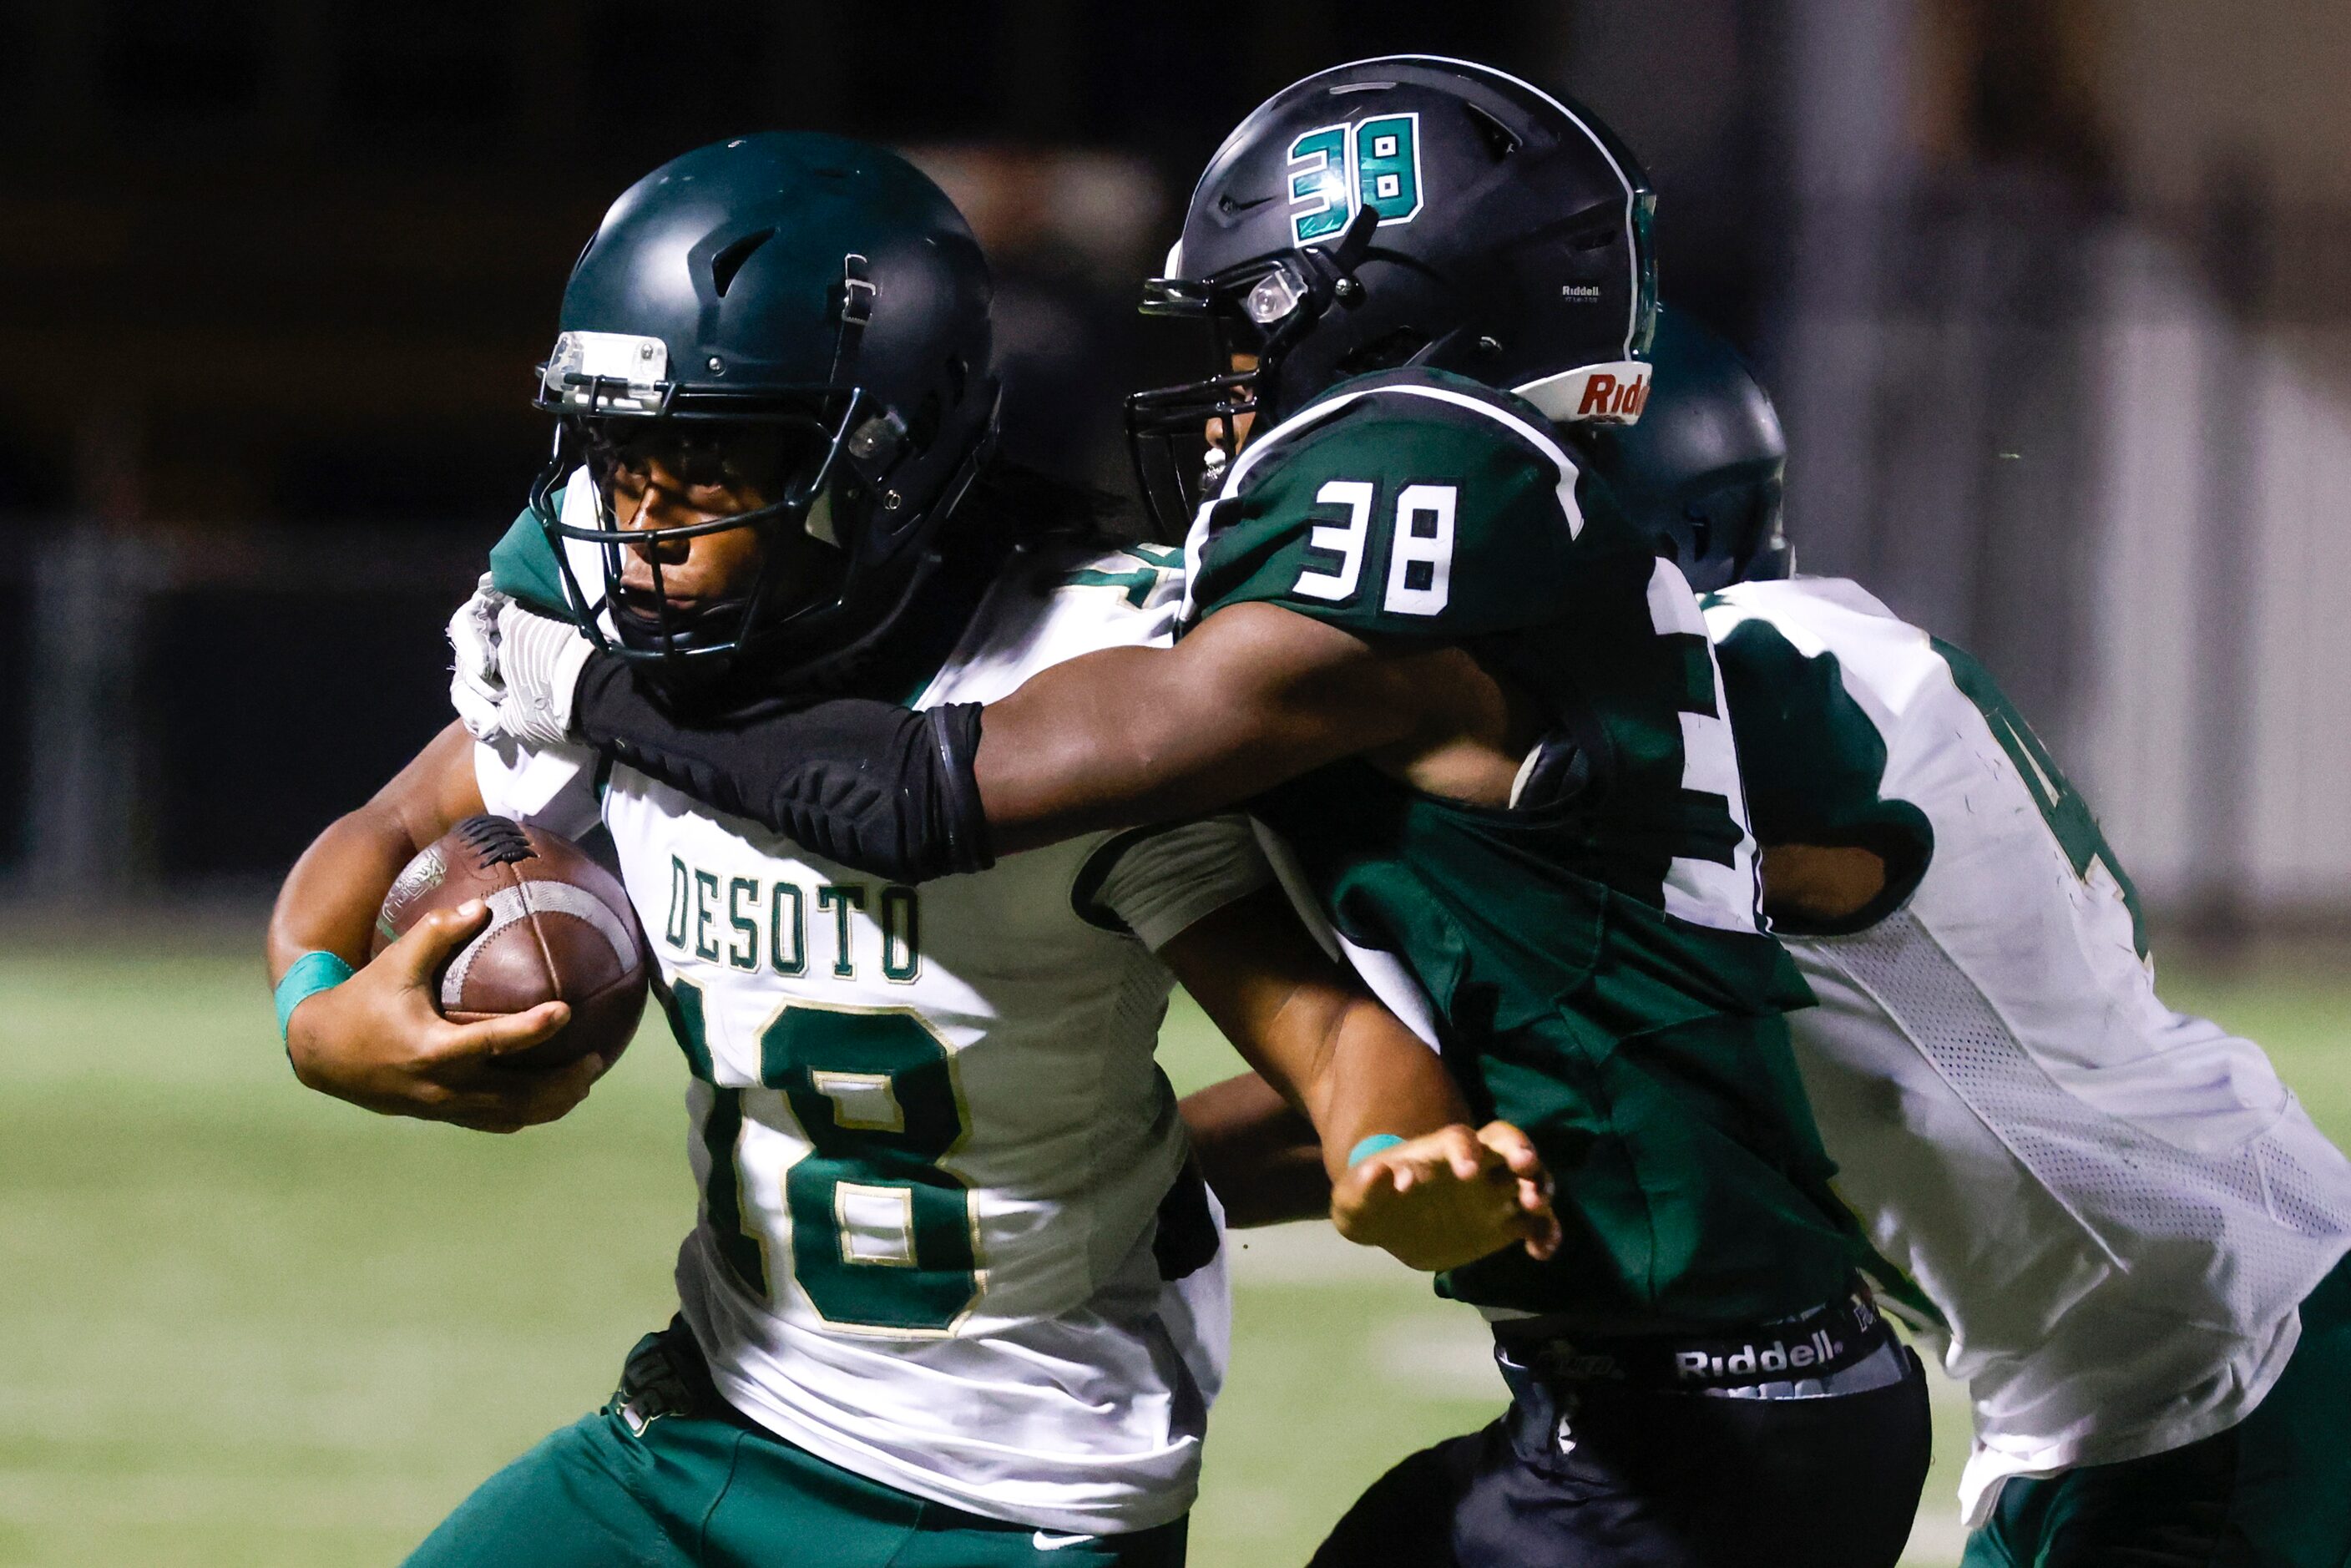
2111,1221
951,1298
2115,1223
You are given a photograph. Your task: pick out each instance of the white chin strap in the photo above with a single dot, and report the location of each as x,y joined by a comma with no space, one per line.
1612,393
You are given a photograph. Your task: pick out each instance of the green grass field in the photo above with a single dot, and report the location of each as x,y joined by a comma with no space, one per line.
249,1327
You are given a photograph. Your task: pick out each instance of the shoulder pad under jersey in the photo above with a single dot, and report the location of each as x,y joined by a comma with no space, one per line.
1410,503
522,567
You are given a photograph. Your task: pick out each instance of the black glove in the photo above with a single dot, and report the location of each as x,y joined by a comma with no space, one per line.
884,789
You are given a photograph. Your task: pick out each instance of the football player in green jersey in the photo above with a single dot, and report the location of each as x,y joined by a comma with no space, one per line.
951,1298
2110,1220
1482,716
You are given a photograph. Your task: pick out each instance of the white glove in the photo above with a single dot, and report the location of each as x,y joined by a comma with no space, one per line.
476,690
539,659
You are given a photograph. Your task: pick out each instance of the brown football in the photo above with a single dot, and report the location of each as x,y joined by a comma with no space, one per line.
560,929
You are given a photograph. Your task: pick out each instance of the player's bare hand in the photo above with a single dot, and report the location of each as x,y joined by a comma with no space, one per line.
378,1041
1450,1198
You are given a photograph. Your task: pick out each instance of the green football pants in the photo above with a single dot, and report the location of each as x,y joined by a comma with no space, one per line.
2273,1492
664,1477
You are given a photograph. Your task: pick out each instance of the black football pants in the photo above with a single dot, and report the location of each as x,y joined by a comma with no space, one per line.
1613,1476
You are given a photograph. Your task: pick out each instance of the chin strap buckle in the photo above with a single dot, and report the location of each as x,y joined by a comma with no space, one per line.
858,293
1336,266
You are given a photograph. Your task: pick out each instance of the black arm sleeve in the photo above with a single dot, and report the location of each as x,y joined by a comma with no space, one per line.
870,784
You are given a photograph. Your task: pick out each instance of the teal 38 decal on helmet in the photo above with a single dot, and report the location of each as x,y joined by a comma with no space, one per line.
1409,210
1337,168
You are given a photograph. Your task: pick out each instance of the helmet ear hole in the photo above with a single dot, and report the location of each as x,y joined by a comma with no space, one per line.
1384,352
729,261
1701,533
1595,235
1497,138
923,428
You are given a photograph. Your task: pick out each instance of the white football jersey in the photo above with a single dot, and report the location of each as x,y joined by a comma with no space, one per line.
931,1140
2115,1208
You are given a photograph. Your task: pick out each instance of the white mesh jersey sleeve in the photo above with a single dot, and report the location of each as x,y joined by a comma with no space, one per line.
552,786
1162,881
1066,603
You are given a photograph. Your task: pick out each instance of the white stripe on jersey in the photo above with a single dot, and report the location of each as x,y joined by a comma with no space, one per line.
1196,540
1383,973
1704,891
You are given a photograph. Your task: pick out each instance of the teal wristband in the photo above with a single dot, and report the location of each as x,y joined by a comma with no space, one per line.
1377,1144
310,974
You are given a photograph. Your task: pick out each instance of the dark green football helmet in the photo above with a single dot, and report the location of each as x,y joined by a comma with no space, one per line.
809,291
1702,472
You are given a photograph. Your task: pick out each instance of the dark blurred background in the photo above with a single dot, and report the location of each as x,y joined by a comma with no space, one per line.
2048,289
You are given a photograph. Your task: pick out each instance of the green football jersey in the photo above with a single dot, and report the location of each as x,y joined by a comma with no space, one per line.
1595,968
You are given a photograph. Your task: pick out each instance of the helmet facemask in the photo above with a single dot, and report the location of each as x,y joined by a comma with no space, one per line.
1259,312
801,452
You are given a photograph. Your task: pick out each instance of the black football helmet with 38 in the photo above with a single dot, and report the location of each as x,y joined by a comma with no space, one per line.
1702,473
1410,210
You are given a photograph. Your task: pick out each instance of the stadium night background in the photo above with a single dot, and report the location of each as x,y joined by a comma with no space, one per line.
2051,294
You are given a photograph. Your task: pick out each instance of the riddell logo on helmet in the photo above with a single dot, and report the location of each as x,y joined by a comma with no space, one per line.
1610,393
1605,397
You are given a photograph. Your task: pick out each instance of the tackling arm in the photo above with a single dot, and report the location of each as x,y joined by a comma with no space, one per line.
1443,1197
1254,696
1261,1157
1121,737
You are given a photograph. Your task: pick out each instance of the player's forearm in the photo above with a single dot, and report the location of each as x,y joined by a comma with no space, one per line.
329,900
1436,1195
1261,1158
1254,698
867,783
1430,1191
1112,741
1376,1077
1119,737
1321,1042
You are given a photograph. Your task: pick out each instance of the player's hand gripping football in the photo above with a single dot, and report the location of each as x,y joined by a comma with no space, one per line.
378,1042
1449,1198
